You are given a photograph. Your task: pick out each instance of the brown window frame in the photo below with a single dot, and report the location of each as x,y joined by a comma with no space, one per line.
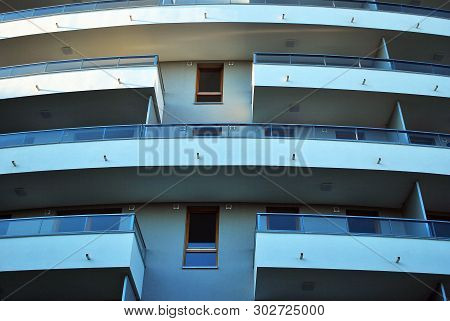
207,93
206,210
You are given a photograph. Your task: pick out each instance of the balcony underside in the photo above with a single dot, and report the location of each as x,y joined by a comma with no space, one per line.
68,110
61,285
348,108
320,284
218,184
219,41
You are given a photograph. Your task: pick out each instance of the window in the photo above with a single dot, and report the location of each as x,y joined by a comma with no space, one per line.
363,225
282,222
201,242
209,87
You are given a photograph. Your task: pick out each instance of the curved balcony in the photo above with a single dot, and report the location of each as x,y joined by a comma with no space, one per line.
120,4
81,243
349,73
225,145
106,14
300,246
137,76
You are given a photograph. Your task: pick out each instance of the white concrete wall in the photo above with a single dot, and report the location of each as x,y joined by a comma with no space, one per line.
351,79
180,82
66,252
282,250
226,13
79,80
226,151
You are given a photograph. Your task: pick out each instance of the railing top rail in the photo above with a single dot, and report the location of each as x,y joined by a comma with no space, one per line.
82,60
256,54
356,217
129,3
64,216
263,125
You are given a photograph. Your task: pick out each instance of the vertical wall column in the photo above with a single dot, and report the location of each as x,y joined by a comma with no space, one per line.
396,121
383,53
151,116
414,208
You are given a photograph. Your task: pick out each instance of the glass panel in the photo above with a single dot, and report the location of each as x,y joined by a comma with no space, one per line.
345,134
48,11
74,135
377,135
78,7
325,225
111,4
441,70
165,131
44,137
342,61
272,59
202,230
4,225
210,80
317,3
209,98
12,140
283,222
64,65
5,72
441,229
104,223
414,67
308,60
350,4
207,131
279,131
24,227
409,228
69,224
18,15
246,131
137,61
363,225
28,69
422,139
121,132
200,259
100,63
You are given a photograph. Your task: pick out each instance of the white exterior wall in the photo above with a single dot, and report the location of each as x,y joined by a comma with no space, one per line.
226,151
399,82
180,81
282,250
226,13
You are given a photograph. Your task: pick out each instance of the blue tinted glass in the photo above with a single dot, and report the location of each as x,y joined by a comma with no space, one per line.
3,227
442,229
363,225
105,223
70,224
282,222
200,259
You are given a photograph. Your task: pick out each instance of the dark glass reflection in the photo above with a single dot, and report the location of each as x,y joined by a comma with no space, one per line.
282,222
206,259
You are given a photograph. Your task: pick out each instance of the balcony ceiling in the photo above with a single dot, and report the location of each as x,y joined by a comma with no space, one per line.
127,185
219,41
79,109
348,108
315,284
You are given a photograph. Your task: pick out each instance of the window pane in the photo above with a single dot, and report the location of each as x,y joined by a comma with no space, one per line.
210,80
202,230
209,99
200,259
105,223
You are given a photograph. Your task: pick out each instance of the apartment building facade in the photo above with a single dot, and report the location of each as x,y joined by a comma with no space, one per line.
224,150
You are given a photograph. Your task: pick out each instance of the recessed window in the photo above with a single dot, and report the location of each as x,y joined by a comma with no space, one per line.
280,222
209,88
363,225
201,243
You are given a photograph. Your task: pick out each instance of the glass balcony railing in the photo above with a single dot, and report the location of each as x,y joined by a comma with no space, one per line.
351,62
353,225
78,64
118,4
74,224
306,132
